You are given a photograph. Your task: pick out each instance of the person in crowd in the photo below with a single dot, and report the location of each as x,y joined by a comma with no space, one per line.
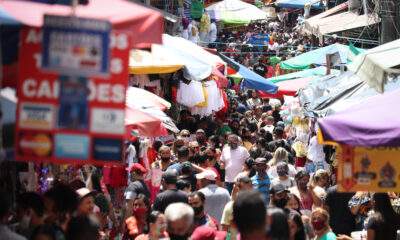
201,218
157,227
60,203
342,220
233,157
296,227
261,181
278,224
320,223
304,191
30,212
183,156
384,222
86,202
215,197
188,175
165,158
321,183
201,138
184,186
293,203
83,228
280,155
137,185
5,212
282,170
279,196
180,217
170,194
360,205
137,223
249,215
242,184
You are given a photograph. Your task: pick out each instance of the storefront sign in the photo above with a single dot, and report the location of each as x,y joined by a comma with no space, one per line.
76,46
66,118
368,169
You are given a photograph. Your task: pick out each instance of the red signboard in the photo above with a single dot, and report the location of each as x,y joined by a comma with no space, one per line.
55,123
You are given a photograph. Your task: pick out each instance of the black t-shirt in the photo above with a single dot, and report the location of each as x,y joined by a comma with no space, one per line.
167,197
135,188
384,229
341,219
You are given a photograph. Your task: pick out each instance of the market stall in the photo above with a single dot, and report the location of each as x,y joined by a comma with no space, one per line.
368,137
318,57
235,12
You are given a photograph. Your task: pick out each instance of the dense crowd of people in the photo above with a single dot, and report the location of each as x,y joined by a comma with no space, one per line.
248,175
235,179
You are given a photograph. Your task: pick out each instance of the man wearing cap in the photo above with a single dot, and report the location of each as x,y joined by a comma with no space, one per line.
170,194
86,201
137,184
201,137
279,196
260,180
216,197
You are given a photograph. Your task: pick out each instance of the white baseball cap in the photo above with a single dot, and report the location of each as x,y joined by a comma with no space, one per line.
207,174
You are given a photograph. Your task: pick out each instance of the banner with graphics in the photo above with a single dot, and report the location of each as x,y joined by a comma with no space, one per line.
69,118
368,169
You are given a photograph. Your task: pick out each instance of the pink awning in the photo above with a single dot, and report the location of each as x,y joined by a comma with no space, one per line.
145,25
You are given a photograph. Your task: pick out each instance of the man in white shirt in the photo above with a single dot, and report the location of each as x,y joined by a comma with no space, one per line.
216,197
233,157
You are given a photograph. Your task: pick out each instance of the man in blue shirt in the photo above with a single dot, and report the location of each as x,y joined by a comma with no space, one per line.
261,181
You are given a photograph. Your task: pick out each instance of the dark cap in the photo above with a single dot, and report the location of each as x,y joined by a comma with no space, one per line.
278,188
170,176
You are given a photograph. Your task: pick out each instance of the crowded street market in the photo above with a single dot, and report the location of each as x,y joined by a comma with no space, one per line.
200,120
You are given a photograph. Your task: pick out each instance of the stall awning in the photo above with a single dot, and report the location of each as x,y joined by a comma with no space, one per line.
318,71
235,12
145,25
339,22
372,123
145,62
318,57
297,4
251,79
374,65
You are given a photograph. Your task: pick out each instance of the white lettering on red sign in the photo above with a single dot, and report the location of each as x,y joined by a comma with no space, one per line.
102,92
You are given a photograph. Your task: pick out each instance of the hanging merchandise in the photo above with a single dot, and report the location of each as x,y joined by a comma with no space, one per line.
197,9
215,101
190,94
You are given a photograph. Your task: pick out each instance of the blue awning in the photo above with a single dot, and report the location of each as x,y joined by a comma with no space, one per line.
251,79
297,4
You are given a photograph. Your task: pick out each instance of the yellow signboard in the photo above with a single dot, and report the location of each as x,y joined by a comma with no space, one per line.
368,169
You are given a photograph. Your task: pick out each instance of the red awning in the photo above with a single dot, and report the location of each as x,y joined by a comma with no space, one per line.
287,88
145,25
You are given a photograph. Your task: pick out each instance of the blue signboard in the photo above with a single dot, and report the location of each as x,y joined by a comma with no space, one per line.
76,46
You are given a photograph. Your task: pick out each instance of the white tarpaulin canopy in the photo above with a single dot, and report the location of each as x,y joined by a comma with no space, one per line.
374,65
235,12
198,62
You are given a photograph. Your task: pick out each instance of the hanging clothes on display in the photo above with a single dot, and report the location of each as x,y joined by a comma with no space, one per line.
190,94
215,101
